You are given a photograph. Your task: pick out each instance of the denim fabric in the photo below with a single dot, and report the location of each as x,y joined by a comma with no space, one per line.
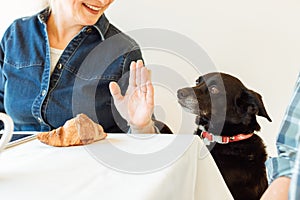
38,101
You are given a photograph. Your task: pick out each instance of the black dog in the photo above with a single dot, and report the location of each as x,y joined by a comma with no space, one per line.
226,112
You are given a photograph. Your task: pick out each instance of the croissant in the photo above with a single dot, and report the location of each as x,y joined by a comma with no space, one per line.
80,130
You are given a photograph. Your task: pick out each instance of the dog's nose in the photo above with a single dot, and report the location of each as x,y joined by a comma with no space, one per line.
182,93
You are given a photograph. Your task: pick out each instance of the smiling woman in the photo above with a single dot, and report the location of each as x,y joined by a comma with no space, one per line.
67,18
45,53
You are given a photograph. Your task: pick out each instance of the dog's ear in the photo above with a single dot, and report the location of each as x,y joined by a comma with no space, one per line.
252,102
259,103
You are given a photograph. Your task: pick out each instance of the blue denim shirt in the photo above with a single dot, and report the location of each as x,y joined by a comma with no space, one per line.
38,101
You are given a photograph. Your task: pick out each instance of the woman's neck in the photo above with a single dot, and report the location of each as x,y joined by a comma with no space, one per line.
60,33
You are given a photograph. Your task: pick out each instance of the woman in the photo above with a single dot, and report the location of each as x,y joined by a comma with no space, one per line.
46,78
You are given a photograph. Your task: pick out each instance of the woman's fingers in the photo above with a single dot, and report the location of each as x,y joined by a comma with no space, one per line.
115,91
132,73
139,67
139,76
150,94
144,79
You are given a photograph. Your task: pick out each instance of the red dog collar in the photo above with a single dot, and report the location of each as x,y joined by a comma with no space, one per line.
224,139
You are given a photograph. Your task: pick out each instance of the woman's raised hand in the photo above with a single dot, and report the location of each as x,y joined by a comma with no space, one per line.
138,103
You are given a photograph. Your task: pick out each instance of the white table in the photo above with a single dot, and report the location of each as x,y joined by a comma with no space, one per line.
135,167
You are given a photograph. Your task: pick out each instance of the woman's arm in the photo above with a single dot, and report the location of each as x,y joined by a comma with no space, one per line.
278,189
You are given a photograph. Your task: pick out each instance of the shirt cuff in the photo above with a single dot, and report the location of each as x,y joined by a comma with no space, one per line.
156,129
283,164
277,167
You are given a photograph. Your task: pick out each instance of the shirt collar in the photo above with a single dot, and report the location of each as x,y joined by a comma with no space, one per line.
101,25
44,15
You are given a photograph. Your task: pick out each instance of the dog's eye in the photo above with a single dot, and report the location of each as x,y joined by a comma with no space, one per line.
213,89
199,80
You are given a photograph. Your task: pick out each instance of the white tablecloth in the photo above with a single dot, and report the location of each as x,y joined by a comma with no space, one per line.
135,167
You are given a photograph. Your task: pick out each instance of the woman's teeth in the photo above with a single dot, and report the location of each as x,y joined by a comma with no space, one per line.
92,7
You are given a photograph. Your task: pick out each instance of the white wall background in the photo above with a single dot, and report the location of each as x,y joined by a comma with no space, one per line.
258,41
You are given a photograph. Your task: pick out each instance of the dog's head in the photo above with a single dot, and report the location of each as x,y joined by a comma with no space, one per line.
222,103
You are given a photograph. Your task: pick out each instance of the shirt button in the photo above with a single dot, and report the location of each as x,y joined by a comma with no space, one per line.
44,92
59,66
40,120
89,30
